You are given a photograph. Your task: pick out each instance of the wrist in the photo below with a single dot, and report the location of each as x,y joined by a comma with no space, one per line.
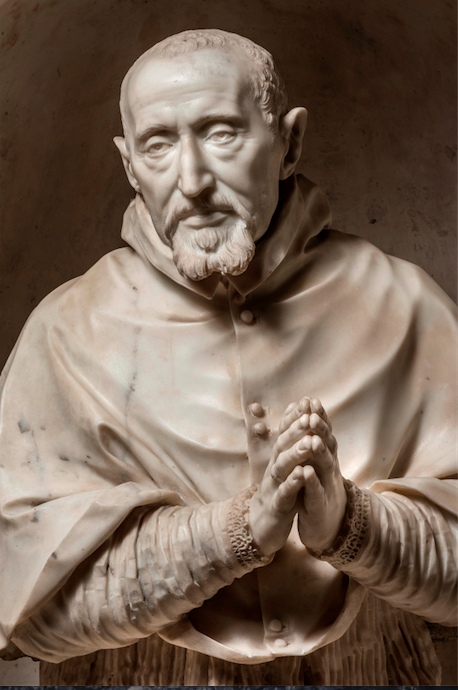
239,520
354,527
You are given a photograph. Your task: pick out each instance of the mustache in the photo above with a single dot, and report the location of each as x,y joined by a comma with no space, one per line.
218,202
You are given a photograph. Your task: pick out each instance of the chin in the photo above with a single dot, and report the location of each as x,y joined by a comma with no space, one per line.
200,253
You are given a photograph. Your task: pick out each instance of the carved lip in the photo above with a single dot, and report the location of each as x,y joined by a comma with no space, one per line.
200,218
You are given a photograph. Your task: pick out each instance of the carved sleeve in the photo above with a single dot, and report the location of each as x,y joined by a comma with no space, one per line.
402,549
155,568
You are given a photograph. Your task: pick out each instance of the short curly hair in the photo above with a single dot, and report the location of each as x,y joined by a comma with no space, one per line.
267,86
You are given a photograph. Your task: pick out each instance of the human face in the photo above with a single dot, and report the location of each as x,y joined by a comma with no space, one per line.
198,146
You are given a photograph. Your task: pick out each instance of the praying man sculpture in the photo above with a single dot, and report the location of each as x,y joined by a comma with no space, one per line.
177,507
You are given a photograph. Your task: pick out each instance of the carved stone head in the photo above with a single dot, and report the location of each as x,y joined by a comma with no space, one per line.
207,138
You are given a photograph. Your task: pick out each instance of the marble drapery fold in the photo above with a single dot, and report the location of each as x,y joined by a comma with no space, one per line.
126,390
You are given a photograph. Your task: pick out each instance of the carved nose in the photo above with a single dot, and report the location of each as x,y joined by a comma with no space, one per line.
194,175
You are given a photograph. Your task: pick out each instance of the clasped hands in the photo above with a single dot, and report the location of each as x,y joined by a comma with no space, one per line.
303,477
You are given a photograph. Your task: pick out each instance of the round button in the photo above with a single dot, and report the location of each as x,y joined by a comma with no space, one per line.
247,316
260,429
257,410
275,625
280,642
239,299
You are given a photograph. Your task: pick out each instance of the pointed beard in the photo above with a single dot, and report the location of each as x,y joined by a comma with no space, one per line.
199,253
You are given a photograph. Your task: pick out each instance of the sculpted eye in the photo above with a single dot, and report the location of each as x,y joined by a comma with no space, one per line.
158,146
221,136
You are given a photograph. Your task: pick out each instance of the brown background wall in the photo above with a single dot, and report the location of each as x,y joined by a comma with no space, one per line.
378,78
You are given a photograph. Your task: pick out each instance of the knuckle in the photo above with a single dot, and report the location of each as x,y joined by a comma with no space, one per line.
329,463
282,499
274,473
280,445
282,462
281,491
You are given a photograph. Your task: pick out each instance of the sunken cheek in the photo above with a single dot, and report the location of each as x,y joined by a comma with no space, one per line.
155,180
251,178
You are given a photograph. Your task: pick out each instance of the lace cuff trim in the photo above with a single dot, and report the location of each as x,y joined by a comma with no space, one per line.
240,536
351,537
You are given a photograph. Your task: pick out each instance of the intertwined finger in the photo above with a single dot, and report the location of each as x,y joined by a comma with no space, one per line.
314,491
318,445
293,413
287,491
294,432
317,407
320,427
290,458
306,424
309,450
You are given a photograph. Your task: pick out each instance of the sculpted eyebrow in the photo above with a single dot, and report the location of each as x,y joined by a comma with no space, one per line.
201,122
144,134
234,120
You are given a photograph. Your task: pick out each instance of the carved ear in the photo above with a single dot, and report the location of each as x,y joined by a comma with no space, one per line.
292,128
120,143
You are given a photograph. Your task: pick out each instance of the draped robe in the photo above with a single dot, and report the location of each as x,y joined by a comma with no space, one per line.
127,400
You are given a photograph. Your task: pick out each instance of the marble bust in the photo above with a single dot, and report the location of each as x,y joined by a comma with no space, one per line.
227,451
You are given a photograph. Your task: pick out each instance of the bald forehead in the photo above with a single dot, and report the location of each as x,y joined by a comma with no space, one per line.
149,73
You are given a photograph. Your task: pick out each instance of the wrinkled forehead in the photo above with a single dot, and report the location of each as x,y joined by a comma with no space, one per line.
162,79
